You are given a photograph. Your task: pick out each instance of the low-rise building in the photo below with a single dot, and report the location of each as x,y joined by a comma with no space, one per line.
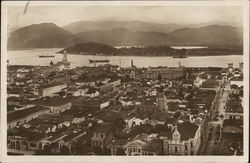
57,104
93,103
234,109
237,81
141,145
24,141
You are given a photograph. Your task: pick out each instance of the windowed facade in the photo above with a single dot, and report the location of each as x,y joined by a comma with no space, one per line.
33,145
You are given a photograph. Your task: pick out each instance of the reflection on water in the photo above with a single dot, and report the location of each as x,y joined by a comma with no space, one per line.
31,57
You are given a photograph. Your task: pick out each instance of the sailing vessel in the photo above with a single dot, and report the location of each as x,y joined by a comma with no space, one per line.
46,56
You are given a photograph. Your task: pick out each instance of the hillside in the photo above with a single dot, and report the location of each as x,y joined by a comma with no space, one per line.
90,48
209,35
96,48
87,26
45,35
121,36
48,35
212,35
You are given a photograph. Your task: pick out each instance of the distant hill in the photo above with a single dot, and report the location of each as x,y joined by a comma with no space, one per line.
87,26
49,35
212,35
209,35
90,48
121,36
45,35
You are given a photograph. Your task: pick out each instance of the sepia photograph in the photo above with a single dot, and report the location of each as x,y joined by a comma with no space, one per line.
163,79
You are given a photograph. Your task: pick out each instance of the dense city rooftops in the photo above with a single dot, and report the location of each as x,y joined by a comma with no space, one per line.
103,128
25,112
26,133
234,105
237,78
210,84
236,122
91,101
53,101
52,85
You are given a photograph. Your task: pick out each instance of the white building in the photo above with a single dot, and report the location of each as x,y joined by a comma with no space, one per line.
50,89
237,81
185,140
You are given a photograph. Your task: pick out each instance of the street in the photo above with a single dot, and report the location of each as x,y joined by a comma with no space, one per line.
217,118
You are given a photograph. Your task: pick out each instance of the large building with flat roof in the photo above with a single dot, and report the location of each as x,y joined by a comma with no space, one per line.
50,89
165,72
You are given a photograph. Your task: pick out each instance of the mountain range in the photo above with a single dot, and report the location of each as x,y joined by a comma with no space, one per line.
49,35
87,26
45,35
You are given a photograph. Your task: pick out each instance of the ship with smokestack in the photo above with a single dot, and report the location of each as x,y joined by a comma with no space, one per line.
99,60
46,56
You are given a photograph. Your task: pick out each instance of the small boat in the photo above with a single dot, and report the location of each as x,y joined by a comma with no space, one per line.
98,60
46,56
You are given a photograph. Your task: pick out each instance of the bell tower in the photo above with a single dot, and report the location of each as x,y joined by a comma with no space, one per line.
65,57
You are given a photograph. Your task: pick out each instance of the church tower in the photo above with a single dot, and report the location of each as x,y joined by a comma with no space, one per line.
230,67
162,101
241,66
65,57
132,74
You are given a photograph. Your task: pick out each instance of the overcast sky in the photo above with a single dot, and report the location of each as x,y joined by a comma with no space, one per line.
63,15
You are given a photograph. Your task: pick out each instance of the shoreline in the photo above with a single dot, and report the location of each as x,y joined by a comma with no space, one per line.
155,55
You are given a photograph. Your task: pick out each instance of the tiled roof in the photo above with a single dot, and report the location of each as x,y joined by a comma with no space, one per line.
52,85
237,79
153,145
233,129
26,133
53,101
187,130
25,112
103,128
